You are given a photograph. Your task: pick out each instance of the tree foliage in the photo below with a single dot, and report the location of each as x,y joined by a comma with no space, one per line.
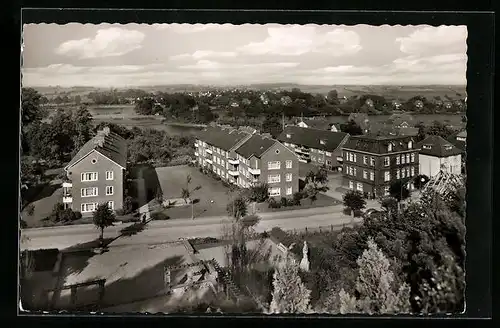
352,128
375,289
30,106
399,190
316,182
237,208
354,200
290,295
259,193
102,218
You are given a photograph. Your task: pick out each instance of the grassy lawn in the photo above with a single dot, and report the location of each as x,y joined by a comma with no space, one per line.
210,200
322,201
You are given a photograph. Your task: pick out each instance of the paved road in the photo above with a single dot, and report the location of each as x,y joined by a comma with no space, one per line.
165,231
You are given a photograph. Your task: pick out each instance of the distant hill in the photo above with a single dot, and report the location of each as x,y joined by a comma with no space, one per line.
388,91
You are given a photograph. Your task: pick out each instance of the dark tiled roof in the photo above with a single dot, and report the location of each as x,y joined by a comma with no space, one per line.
318,124
438,147
311,137
222,137
256,145
378,144
459,143
113,147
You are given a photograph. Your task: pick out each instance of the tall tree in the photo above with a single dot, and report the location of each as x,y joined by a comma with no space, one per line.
375,286
30,106
83,127
289,295
237,208
354,200
102,218
272,125
351,128
316,182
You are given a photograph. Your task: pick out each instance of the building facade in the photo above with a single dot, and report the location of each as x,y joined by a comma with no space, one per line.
96,174
319,147
436,154
373,163
245,158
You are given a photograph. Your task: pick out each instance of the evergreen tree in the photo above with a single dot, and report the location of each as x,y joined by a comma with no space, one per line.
289,295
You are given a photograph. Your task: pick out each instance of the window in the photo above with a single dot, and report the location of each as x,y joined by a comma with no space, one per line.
218,171
111,205
289,190
222,163
350,170
372,175
323,142
89,192
327,153
273,178
288,135
94,160
403,173
322,152
372,161
407,172
397,160
398,174
351,157
403,159
289,177
427,146
359,186
365,160
354,171
288,164
274,191
351,185
365,174
109,175
387,176
407,158
109,190
214,159
410,144
88,207
354,157
386,191
412,171
389,147
277,151
413,157
89,176
276,165
328,162
386,161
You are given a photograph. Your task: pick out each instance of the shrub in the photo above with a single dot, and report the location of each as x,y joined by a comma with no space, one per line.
30,210
128,205
120,212
297,197
347,211
78,215
358,213
159,216
272,203
284,202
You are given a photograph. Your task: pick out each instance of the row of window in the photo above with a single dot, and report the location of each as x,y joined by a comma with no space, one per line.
400,173
276,191
353,171
94,191
400,159
313,150
91,207
276,178
94,176
276,165
321,160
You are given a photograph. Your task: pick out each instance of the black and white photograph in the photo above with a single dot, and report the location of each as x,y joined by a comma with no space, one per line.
260,169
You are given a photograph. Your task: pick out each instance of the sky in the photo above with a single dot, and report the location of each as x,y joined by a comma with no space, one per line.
114,55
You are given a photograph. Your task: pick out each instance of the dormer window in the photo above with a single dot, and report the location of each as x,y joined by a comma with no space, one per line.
288,135
323,142
448,147
389,147
427,146
410,144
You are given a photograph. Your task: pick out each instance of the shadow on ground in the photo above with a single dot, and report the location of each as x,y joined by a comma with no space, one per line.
143,174
145,285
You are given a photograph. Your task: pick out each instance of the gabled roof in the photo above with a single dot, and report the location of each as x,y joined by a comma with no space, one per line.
378,144
113,147
311,138
460,144
255,146
317,124
438,147
222,137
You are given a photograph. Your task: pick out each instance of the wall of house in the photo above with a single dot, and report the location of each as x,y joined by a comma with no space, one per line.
101,165
431,165
278,152
377,184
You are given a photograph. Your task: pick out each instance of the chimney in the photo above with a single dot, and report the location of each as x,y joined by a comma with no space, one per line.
99,140
106,130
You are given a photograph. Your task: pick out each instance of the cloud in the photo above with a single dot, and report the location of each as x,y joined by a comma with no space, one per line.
110,42
431,40
211,65
297,40
194,28
204,54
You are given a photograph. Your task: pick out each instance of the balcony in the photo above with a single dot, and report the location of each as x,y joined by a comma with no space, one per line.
209,151
254,171
233,173
209,161
233,161
302,150
67,199
304,159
